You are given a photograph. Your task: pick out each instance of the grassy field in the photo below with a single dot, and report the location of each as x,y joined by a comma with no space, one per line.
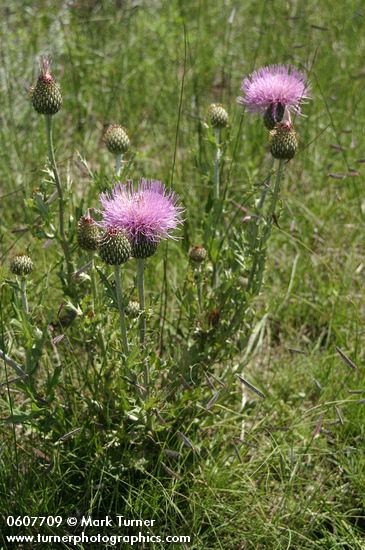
201,455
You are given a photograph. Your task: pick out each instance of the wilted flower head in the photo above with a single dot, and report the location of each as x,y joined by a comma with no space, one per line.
44,68
274,86
149,212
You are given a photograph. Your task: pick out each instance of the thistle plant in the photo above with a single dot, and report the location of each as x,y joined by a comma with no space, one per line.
218,118
275,91
46,99
22,265
218,121
117,142
147,214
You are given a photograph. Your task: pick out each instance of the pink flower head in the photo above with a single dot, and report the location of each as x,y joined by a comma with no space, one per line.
273,86
149,212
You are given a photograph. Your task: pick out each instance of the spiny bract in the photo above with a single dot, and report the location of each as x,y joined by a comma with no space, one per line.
284,142
198,254
116,139
218,116
21,264
88,233
46,93
143,247
114,247
132,309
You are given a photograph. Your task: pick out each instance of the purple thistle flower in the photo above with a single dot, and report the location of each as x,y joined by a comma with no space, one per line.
272,87
149,212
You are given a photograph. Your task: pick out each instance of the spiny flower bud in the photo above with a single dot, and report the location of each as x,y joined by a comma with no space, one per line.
116,139
21,264
273,115
114,247
46,94
88,233
143,247
218,116
284,142
198,254
132,309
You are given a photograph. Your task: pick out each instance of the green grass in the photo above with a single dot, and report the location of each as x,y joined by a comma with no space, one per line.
283,472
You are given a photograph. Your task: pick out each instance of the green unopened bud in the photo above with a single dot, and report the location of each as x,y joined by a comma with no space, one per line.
132,309
114,247
88,233
46,93
273,115
116,139
198,254
284,142
21,264
143,247
218,116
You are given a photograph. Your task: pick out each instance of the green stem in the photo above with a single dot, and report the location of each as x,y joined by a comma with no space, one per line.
146,377
118,164
198,273
23,291
61,206
118,290
217,160
259,259
275,197
182,301
140,285
94,289
266,186
142,323
217,163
